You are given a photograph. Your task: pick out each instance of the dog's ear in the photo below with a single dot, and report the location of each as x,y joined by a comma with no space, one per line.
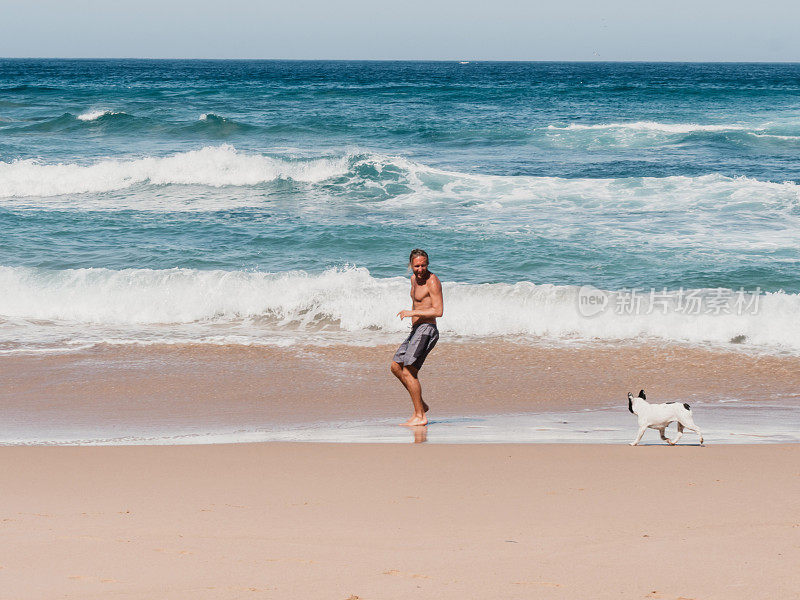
641,395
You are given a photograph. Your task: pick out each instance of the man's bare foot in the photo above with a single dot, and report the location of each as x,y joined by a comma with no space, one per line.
415,421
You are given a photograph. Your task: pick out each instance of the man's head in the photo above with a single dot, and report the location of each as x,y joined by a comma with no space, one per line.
418,261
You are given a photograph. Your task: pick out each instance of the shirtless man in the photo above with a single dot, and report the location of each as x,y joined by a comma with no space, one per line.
426,304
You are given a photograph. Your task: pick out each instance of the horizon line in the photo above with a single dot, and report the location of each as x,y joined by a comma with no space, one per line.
419,60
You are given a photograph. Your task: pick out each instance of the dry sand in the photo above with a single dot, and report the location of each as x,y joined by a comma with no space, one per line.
332,522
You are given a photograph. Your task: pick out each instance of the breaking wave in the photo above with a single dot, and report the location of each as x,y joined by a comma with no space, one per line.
92,120
650,126
211,166
389,179
213,125
116,122
252,306
93,115
654,133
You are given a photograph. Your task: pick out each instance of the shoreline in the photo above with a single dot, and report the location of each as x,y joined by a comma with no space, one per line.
322,521
113,393
721,424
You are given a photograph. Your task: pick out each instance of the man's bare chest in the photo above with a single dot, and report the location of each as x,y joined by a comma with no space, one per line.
419,293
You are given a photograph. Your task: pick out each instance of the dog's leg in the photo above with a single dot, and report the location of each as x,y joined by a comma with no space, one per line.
688,423
638,439
664,437
680,434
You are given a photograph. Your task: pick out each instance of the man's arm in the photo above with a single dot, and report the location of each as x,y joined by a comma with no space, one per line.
437,301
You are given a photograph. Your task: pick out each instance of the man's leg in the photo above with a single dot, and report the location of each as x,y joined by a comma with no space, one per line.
408,377
411,382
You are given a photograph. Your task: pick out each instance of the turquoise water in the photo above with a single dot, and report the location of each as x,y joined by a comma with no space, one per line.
246,202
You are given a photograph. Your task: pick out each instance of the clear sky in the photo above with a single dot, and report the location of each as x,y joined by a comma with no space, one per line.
682,30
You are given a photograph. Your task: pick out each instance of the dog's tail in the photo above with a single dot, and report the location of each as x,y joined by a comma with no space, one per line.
641,395
687,407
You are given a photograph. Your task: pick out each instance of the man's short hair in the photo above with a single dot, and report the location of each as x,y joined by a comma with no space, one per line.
417,252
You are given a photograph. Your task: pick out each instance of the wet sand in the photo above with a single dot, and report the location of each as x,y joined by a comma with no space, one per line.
345,521
122,391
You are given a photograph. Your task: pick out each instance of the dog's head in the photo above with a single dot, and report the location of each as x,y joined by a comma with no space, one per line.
630,400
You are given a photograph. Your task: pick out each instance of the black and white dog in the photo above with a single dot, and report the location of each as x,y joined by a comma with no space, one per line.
659,416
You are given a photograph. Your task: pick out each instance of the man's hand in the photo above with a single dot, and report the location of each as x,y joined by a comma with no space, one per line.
405,313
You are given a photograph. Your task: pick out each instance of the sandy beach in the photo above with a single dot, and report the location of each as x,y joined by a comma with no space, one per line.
112,391
205,272
319,521
385,521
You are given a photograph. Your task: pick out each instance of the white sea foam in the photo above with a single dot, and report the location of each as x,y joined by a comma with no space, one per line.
142,305
93,115
774,424
214,166
654,126
145,296
773,136
402,181
211,117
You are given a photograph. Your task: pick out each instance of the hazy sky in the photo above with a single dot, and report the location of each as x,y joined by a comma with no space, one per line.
685,30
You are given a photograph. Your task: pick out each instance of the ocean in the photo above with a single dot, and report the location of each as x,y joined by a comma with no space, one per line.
276,202
212,255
